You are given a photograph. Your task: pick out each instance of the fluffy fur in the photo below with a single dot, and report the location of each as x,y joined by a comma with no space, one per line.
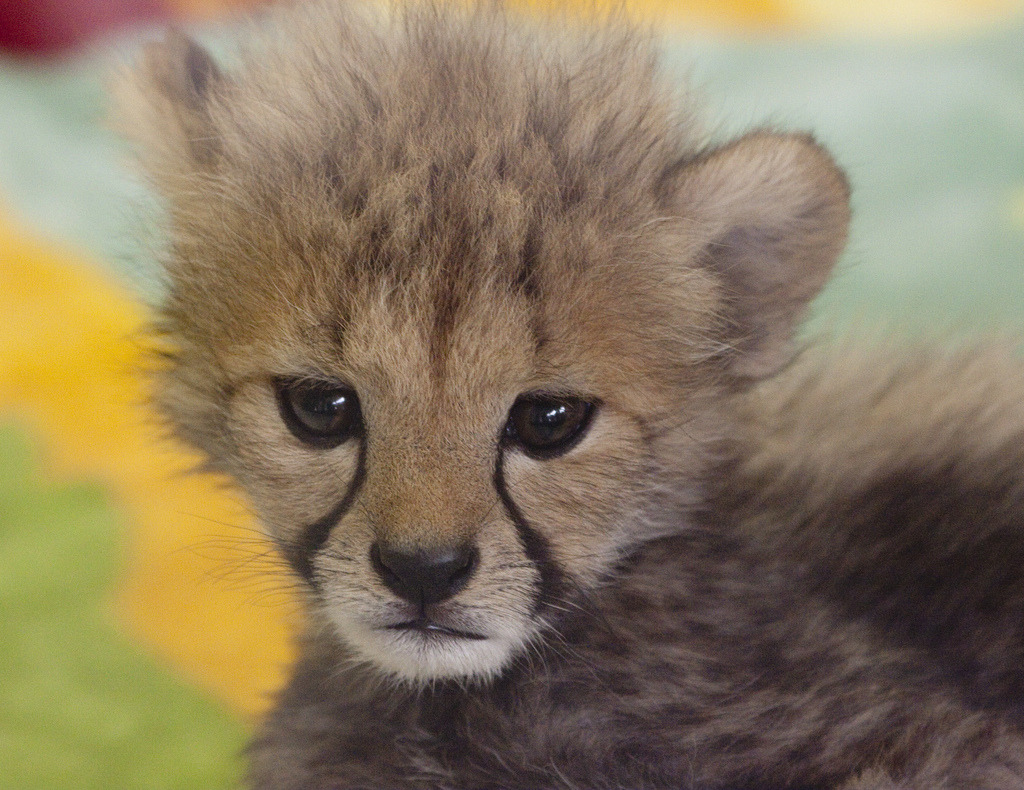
749,571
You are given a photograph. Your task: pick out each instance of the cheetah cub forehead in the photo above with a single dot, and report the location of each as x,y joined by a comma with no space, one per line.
458,302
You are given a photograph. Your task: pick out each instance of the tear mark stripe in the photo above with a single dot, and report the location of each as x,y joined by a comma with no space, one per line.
300,554
535,545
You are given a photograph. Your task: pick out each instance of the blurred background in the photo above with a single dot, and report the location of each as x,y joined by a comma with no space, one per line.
143,624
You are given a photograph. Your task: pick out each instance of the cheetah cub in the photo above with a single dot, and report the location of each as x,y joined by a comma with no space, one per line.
499,347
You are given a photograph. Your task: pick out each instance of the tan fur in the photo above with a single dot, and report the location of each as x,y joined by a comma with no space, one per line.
857,410
446,210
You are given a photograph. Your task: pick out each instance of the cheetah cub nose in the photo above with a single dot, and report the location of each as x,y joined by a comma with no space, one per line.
424,576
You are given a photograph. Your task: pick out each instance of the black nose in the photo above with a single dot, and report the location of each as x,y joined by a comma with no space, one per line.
424,576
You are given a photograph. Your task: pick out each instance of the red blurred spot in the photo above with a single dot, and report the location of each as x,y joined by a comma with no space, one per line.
49,27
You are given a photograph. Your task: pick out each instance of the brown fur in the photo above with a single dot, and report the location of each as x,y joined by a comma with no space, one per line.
749,572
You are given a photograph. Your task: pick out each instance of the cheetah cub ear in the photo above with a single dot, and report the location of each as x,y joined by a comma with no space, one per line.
771,213
165,105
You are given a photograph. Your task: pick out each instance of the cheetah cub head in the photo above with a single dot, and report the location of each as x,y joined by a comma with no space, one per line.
458,303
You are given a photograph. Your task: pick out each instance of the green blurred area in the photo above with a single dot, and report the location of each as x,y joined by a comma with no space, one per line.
81,707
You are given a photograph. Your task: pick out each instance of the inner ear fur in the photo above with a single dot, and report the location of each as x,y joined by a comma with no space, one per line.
164,103
771,213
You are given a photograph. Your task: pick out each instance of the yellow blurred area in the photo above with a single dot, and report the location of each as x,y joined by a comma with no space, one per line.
905,17
873,17
213,9
70,368
727,14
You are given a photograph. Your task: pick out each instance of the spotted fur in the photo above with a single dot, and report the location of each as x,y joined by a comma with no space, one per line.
748,570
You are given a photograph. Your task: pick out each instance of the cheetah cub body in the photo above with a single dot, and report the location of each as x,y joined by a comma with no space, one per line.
499,347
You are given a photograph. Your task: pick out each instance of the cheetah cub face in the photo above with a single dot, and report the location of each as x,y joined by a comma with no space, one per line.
460,317
447,486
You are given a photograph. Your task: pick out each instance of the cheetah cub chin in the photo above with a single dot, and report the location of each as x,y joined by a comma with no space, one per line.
498,345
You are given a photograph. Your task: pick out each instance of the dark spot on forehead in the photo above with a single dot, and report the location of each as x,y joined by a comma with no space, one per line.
463,289
539,332
527,276
448,303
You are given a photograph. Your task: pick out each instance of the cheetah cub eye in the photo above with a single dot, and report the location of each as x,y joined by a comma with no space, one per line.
321,414
546,426
325,414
